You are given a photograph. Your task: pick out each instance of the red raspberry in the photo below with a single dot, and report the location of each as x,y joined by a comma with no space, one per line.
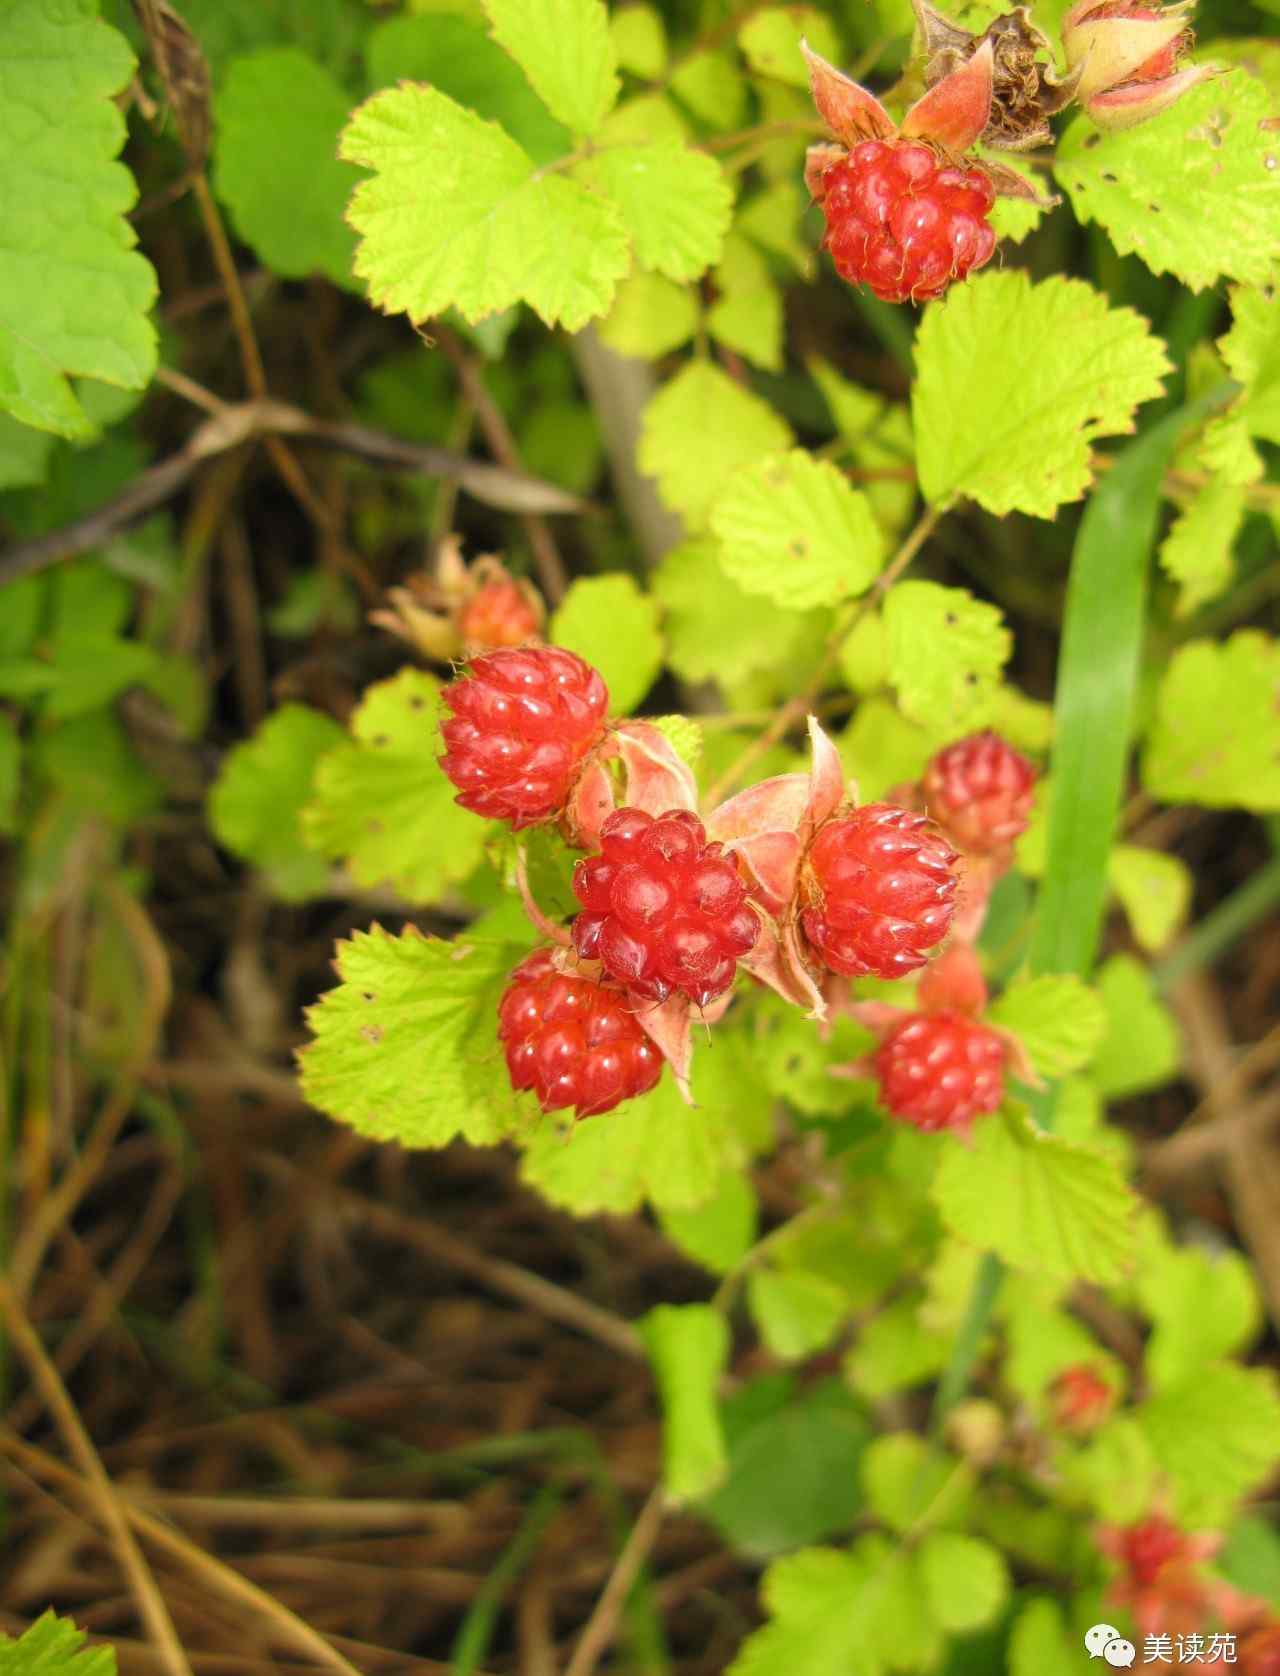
940,1070
1146,1548
980,791
522,722
663,909
573,1041
881,891
1079,1398
500,613
903,221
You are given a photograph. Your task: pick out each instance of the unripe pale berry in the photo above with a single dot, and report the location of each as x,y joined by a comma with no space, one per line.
903,221
879,887
573,1041
522,721
940,1070
499,613
663,910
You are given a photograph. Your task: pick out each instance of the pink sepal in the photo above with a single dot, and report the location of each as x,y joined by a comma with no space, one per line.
656,778
958,108
777,962
669,1027
817,160
851,113
1125,107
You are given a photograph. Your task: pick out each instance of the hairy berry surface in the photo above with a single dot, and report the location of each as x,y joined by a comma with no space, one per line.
980,791
663,910
940,1070
522,722
573,1041
880,887
904,222
498,614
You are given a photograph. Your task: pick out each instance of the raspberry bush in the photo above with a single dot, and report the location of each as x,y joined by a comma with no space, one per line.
751,623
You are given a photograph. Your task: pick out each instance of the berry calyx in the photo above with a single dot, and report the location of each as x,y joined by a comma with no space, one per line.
499,613
663,910
940,1071
980,791
1080,1399
880,887
903,221
573,1041
522,722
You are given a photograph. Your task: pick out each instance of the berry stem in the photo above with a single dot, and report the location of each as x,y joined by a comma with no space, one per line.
797,708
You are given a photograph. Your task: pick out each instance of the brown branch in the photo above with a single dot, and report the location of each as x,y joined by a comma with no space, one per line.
602,1625
510,491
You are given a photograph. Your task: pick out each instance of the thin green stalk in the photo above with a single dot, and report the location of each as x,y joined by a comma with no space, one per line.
473,1638
964,1352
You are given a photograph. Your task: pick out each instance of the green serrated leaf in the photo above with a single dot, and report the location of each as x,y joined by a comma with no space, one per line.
53,1646
610,623
693,460
770,41
1190,192
406,1047
74,293
1204,1305
814,1625
675,203
1197,552
566,50
640,40
688,1346
24,454
793,529
747,313
1154,890
1216,1435
1251,351
1057,1019
1060,367
713,87
455,215
650,317
720,1233
796,1313
455,56
1251,1558
714,630
880,440
906,1478
655,1148
1141,1047
820,1434
255,805
381,802
1038,1202
1216,735
965,1581
1115,1473
1039,1644
280,104
880,748
684,733
945,650
896,1350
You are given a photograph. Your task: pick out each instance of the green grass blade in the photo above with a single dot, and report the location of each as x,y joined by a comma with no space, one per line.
1097,677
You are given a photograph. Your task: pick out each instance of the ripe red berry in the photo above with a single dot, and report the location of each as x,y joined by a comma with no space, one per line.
500,613
1147,1547
573,1041
522,722
980,791
880,887
663,910
1259,1653
940,1070
903,221
1080,1398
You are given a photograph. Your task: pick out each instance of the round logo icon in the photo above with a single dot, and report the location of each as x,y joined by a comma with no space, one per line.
1096,1639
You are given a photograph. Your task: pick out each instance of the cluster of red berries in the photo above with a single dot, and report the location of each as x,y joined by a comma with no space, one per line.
665,914
903,221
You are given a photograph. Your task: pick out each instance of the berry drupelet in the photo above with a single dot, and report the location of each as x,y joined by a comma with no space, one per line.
522,722
940,1070
663,910
980,792
573,1041
903,221
880,888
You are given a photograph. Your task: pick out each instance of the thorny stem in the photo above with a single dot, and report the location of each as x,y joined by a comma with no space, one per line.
798,707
